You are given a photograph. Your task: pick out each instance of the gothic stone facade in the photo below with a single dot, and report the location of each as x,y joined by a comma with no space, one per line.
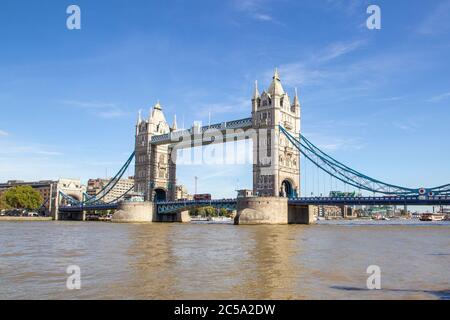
155,173
276,169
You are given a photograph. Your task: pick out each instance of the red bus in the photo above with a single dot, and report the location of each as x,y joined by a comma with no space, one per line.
205,196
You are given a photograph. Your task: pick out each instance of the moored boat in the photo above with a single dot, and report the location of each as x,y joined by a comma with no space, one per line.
432,217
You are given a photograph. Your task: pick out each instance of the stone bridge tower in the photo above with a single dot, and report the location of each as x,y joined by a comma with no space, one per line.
276,168
155,172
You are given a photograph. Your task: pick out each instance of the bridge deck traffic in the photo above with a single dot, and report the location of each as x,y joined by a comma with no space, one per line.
173,206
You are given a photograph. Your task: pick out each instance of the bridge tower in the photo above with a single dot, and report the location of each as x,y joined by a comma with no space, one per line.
276,168
155,172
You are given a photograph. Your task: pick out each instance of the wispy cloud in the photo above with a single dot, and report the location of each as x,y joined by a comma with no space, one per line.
33,149
232,106
408,125
440,97
438,21
256,9
334,144
349,7
335,50
101,109
3,133
262,17
317,68
360,77
389,99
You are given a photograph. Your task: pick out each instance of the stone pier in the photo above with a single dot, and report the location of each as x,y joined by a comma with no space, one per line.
261,210
271,210
145,212
182,217
134,212
250,211
301,214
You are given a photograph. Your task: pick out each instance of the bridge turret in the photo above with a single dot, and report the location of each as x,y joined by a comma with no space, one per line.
296,105
276,88
138,122
256,100
174,125
154,171
139,117
157,121
276,171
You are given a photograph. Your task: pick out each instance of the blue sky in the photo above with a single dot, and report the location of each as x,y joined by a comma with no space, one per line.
378,100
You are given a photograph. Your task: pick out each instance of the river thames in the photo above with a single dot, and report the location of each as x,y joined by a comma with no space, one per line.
221,261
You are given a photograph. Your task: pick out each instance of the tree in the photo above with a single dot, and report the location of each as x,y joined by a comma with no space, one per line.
204,212
224,212
210,211
23,197
3,204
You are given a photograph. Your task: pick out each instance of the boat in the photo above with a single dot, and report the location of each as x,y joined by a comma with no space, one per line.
432,217
377,217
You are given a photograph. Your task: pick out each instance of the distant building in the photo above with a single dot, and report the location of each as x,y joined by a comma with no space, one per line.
182,193
244,193
336,212
95,186
49,190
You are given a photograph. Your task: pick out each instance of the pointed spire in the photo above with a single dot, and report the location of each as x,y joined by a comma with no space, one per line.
296,101
174,125
275,86
158,106
276,75
150,115
139,116
256,92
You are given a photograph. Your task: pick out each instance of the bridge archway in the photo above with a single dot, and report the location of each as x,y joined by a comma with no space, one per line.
160,195
287,189
74,196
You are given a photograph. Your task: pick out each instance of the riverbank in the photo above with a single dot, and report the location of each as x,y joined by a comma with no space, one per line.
18,219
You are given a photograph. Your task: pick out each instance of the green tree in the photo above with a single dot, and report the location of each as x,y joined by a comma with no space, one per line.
223,212
23,197
204,212
3,204
211,212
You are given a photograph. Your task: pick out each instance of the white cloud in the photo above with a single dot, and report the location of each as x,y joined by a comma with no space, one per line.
256,9
262,17
316,69
440,97
334,144
406,125
438,21
349,7
100,109
360,75
232,106
33,149
390,99
3,133
335,50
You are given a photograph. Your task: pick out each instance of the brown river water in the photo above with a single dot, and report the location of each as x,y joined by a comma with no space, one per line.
222,261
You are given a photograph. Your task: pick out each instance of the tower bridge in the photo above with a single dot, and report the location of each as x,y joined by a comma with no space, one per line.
275,131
